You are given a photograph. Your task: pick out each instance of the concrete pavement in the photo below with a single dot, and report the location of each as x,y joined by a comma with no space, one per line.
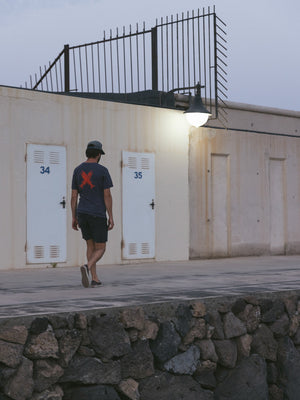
42,291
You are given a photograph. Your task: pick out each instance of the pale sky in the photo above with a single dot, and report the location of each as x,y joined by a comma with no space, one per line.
263,39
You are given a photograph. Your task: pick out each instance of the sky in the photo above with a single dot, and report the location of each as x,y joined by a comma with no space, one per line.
263,39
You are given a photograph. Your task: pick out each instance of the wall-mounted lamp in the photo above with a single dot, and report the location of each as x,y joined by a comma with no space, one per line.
197,115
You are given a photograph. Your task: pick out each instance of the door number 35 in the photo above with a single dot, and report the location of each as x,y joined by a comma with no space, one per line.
138,175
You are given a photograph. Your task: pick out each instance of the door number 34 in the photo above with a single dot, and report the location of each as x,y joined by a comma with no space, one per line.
138,175
44,170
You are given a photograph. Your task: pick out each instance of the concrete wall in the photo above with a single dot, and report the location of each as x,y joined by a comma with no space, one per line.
41,118
219,192
244,184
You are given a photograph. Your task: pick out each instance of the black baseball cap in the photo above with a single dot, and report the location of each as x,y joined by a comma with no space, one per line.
94,144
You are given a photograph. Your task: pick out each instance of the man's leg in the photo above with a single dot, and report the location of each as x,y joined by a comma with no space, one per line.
94,253
90,248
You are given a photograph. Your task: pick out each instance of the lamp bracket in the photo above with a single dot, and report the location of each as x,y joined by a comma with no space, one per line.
187,87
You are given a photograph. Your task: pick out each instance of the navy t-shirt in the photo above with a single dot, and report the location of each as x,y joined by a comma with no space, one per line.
90,180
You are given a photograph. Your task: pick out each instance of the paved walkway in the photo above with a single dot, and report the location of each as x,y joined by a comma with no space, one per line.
39,291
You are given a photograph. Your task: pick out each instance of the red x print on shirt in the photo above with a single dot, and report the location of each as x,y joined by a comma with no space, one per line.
87,179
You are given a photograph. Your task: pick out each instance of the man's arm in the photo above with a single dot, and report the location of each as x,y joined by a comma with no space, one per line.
108,205
74,198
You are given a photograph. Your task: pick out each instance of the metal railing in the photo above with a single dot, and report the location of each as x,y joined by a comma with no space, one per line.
177,52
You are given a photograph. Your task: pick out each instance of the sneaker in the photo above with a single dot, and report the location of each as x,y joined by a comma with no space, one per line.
84,276
95,284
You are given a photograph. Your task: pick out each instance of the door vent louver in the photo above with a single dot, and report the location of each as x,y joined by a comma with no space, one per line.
132,162
39,252
145,248
54,251
54,157
132,248
38,157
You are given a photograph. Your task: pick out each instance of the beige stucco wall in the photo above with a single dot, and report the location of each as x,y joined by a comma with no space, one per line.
185,219
249,225
43,118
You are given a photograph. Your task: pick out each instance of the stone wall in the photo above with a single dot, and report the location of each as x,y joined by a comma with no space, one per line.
227,348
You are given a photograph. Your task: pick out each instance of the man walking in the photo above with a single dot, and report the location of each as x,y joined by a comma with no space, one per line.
92,182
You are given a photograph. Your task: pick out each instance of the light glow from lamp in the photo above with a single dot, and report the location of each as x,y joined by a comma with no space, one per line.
197,115
197,119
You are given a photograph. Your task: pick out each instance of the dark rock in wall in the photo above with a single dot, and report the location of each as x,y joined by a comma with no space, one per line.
39,325
247,381
92,371
227,352
205,374
68,345
5,374
43,345
164,386
244,346
251,317
133,318
207,350
221,373
272,373
58,321
265,305
198,309
99,392
238,306
46,373
184,363
276,393
165,346
80,321
106,344
3,397
296,337
281,327
289,368
272,314
14,334
183,319
264,344
138,363
214,319
53,393
290,304
197,331
233,326
20,385
10,354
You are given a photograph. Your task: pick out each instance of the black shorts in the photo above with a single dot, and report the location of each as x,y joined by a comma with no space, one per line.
93,227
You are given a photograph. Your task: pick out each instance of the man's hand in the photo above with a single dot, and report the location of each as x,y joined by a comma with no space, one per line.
74,197
108,205
110,224
75,224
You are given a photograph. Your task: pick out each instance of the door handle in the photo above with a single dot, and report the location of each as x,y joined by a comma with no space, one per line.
152,204
63,202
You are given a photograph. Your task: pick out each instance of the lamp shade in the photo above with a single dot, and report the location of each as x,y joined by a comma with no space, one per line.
197,115
197,119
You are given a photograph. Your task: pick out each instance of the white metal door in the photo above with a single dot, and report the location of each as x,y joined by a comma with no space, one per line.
138,205
46,203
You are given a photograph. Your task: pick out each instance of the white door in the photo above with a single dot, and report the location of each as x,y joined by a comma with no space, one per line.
46,204
138,205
